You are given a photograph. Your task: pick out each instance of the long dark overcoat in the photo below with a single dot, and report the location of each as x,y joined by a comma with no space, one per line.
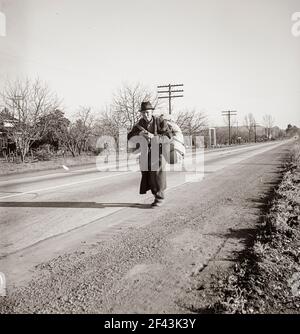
156,180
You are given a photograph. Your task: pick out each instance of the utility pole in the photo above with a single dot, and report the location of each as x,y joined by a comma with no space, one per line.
255,126
170,91
229,114
238,138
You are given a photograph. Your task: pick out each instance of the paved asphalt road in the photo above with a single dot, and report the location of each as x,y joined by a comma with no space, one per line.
36,208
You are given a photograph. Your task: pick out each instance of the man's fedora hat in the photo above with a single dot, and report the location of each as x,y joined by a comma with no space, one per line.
146,106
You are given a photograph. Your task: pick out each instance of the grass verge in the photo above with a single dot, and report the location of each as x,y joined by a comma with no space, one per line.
7,168
268,278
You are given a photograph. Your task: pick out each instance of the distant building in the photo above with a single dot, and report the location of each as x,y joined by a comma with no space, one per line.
6,121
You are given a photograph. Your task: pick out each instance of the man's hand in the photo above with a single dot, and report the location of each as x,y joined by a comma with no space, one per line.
150,135
147,135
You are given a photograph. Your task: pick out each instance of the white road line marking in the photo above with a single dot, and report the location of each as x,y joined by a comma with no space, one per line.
208,154
95,179
64,185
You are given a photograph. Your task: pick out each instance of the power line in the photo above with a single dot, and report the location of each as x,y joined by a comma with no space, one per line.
170,93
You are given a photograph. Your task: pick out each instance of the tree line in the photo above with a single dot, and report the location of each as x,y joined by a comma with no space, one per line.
32,116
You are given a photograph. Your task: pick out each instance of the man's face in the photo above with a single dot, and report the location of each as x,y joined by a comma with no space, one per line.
147,115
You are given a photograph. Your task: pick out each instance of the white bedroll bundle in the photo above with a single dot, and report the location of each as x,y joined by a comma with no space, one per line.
177,147
174,151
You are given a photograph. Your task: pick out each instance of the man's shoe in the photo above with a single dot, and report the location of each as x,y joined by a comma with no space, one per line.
157,202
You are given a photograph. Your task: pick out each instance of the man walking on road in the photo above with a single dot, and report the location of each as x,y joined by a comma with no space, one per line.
156,131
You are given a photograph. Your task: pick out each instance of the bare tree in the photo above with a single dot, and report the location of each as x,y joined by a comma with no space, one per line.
67,135
108,124
27,101
126,104
84,127
74,135
124,111
268,122
222,135
191,122
249,123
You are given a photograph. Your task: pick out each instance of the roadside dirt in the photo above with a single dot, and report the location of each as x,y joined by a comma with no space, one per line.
10,168
267,278
162,264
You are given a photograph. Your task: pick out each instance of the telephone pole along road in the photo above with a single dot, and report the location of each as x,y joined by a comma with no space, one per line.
85,241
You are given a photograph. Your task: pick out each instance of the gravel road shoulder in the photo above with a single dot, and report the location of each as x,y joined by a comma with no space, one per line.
156,266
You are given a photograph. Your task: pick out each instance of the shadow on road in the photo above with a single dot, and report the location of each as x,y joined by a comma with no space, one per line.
73,205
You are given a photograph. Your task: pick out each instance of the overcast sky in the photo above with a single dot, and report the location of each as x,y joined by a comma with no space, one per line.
229,54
